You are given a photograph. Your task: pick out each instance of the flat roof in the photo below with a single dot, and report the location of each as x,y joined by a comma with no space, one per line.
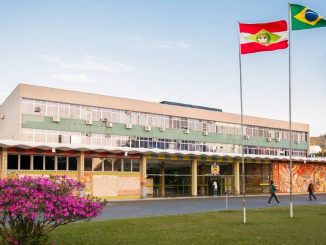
190,106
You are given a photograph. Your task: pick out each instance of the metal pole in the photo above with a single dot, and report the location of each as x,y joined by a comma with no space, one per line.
226,200
242,141
290,111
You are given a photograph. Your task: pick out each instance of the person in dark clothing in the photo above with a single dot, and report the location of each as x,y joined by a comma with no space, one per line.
273,190
311,191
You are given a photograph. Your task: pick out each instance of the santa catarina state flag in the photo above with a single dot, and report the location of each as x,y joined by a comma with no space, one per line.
263,37
305,18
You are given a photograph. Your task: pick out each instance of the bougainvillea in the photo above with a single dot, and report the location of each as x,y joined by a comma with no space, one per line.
30,208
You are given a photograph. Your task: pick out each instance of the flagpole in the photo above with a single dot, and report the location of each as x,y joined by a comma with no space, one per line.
242,141
290,110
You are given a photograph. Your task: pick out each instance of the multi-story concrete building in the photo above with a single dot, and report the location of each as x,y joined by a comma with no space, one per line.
125,148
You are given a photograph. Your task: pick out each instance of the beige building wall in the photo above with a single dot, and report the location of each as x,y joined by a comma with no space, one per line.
10,109
115,186
67,96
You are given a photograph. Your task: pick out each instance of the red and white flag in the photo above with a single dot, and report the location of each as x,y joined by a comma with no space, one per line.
263,37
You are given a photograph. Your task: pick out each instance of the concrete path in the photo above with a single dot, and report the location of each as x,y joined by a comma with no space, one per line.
171,206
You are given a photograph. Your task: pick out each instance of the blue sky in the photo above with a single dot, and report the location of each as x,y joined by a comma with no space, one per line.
184,51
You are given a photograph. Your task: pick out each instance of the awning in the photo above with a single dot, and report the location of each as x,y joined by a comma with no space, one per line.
158,153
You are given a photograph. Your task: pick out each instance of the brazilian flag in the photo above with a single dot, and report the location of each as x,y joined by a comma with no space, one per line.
305,18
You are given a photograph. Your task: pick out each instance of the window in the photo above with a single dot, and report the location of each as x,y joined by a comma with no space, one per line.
115,116
38,162
176,122
72,163
204,126
135,142
184,123
49,163
86,113
107,164
118,165
64,110
134,118
12,162
135,165
126,165
25,162
96,114
75,111
88,164
62,163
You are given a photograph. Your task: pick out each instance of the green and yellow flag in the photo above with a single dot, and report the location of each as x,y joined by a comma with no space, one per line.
305,18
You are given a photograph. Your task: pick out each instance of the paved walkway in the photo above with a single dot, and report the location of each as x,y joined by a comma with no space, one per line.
170,206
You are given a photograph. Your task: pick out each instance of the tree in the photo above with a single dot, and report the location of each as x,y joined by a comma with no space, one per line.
30,208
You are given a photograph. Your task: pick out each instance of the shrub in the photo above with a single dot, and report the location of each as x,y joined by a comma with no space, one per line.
30,208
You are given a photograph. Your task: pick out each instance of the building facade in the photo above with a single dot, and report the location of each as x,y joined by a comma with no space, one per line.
128,149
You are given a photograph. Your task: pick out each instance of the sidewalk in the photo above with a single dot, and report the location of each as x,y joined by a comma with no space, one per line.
211,197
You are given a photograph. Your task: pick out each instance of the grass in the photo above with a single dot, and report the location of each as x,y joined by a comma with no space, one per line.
264,226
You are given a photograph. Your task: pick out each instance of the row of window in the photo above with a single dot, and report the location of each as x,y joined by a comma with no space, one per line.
52,109
110,164
256,150
151,143
28,162
275,134
38,162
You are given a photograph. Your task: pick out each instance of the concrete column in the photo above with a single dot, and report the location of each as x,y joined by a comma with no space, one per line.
162,180
80,166
201,181
143,176
236,173
4,162
32,163
194,177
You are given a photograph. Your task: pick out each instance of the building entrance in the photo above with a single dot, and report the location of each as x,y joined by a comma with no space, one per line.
224,180
168,178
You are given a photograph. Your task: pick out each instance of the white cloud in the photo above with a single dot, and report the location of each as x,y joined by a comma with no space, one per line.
90,65
72,78
185,45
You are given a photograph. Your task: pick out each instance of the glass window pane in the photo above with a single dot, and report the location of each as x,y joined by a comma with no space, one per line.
49,163
25,162
88,164
38,162
72,164
107,164
62,163
135,165
117,165
12,162
127,165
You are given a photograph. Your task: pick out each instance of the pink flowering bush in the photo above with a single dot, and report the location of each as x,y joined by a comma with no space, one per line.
30,208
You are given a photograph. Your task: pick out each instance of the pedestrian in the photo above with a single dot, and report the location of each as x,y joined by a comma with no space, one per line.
311,191
215,188
273,190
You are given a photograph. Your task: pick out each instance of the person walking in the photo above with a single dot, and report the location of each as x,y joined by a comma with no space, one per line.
215,188
273,190
311,191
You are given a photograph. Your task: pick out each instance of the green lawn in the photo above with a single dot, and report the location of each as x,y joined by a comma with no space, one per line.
264,226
